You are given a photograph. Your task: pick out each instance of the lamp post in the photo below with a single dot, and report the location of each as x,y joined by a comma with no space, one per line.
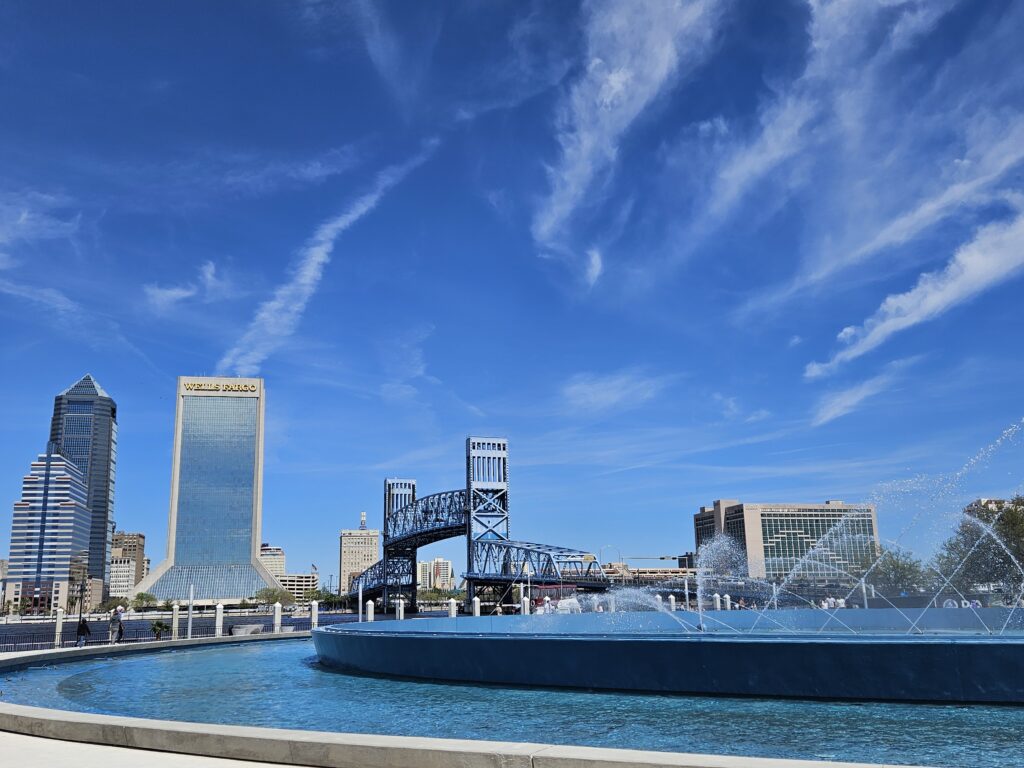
81,599
621,562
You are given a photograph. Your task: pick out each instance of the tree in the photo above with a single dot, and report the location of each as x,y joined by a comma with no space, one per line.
986,547
271,595
159,627
898,571
143,600
110,604
168,605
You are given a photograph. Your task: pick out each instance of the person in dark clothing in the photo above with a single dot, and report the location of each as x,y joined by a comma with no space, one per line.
82,632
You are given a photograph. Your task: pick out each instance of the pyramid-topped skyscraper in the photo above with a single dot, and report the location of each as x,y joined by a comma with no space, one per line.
84,429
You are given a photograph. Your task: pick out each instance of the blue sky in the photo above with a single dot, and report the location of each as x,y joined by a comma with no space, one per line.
674,251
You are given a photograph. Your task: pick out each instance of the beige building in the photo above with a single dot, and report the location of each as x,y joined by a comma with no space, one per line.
273,559
776,537
133,547
359,548
298,584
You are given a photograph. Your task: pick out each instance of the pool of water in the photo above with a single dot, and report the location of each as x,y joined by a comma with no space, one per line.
281,684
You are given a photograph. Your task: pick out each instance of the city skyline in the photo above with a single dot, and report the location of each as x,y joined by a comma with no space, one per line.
664,257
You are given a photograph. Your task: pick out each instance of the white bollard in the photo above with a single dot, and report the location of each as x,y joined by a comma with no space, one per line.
476,606
611,604
277,618
672,603
314,614
524,607
657,599
453,608
400,610
218,621
547,605
369,610
175,612
58,628
728,603
717,600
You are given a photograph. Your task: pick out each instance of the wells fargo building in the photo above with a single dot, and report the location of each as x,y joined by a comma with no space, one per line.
213,535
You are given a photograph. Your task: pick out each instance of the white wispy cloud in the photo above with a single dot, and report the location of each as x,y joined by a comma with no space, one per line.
253,176
208,287
591,392
846,401
995,255
633,50
71,318
162,299
30,215
404,361
595,266
278,317
401,63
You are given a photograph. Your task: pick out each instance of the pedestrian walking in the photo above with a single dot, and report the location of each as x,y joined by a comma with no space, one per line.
82,632
116,625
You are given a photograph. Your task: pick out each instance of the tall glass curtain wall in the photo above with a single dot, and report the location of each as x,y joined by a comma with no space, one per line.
216,481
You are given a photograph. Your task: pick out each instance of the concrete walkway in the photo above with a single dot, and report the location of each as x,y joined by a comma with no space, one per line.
18,750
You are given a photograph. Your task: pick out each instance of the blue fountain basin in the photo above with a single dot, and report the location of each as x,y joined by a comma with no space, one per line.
865,657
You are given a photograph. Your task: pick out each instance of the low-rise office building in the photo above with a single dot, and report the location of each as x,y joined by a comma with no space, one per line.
298,584
776,538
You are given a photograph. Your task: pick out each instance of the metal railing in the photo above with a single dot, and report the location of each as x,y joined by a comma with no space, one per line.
99,635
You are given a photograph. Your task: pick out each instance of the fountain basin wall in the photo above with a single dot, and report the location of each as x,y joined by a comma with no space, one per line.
652,652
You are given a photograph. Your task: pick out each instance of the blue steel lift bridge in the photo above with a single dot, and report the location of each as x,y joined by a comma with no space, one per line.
480,512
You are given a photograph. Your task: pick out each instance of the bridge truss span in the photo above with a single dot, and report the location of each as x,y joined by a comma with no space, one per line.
428,519
504,562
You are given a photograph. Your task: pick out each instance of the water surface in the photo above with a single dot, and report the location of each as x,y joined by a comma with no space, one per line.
281,684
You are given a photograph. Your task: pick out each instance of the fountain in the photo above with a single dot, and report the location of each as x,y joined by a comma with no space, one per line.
784,644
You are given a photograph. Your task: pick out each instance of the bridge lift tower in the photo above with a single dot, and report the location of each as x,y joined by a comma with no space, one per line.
400,561
486,501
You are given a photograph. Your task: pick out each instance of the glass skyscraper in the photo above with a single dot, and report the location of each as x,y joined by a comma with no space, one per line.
213,537
49,535
84,429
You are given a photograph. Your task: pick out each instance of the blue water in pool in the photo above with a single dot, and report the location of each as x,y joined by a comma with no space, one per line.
281,684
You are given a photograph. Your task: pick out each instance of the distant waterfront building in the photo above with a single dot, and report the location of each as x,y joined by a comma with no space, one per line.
84,427
442,576
3,581
49,535
122,576
132,546
298,584
213,535
273,560
775,537
424,575
623,573
358,549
